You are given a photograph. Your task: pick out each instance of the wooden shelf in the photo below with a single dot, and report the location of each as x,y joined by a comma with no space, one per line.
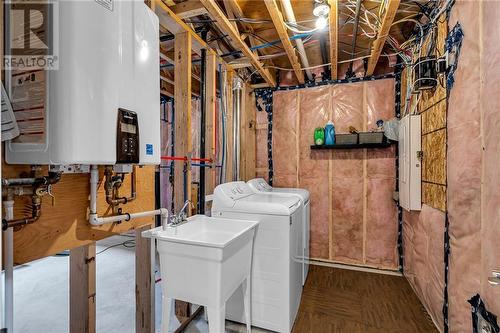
353,146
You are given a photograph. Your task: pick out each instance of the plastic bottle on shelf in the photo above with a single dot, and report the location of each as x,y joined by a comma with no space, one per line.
329,133
319,136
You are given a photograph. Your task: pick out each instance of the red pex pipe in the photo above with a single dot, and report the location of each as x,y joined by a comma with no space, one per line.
178,158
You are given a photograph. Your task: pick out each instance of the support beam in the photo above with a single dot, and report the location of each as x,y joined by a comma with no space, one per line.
385,27
226,26
230,14
175,25
210,103
188,9
82,289
334,38
279,24
144,283
183,143
183,140
169,3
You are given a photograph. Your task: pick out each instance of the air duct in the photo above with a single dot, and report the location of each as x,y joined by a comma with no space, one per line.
237,100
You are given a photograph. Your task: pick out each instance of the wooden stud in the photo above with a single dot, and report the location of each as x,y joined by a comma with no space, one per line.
247,130
210,104
385,27
279,24
226,26
334,37
182,100
144,283
82,289
183,140
188,9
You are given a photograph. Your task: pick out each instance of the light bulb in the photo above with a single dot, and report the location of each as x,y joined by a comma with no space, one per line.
321,23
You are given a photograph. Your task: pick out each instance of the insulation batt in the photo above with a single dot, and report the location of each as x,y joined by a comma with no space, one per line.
353,216
423,257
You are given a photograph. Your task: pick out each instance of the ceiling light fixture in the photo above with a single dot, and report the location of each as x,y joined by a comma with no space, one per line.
321,8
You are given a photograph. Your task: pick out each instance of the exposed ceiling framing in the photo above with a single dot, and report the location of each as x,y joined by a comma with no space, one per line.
256,40
378,45
279,24
218,15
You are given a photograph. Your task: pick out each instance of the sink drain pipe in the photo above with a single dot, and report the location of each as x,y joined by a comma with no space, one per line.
95,220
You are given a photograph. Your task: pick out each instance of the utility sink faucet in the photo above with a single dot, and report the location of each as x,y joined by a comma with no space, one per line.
181,216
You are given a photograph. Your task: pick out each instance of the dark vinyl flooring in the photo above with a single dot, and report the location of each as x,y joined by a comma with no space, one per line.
346,301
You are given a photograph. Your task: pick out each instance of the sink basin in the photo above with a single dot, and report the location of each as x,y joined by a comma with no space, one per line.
204,261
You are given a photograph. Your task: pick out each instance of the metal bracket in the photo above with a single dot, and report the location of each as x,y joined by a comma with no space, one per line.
70,168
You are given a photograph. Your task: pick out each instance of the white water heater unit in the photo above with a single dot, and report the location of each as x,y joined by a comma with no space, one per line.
101,106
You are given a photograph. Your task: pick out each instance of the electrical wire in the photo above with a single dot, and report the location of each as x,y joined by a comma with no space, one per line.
128,244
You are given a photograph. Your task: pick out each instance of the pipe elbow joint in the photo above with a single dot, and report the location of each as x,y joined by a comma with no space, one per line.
94,219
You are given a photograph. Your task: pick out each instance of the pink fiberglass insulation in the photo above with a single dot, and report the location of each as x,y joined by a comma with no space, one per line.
490,232
313,165
353,216
348,182
380,180
464,170
423,243
285,123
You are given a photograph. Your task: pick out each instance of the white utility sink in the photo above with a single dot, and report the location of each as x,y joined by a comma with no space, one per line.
203,261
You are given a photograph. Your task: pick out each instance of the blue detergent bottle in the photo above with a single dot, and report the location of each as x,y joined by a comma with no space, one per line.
329,133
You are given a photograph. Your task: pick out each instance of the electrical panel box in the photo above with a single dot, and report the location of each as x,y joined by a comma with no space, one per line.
106,90
410,164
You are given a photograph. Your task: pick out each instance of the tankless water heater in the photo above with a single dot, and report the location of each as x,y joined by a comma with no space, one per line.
102,105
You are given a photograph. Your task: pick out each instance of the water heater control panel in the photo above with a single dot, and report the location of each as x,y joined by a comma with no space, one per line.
127,137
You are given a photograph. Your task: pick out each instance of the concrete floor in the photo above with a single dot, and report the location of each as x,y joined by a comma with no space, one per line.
41,294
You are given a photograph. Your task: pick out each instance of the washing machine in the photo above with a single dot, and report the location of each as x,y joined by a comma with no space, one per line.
276,287
259,185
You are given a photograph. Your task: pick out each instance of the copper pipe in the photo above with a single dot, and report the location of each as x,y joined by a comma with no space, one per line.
111,188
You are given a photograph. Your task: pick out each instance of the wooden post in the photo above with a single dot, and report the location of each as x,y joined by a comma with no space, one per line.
182,100
248,134
82,289
211,70
183,141
144,283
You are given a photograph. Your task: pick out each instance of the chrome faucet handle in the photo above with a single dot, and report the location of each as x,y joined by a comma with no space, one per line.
173,219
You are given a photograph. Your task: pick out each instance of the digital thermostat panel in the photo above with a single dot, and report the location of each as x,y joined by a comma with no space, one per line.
127,137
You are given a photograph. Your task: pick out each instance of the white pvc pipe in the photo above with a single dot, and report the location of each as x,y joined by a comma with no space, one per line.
130,216
94,219
290,16
9,267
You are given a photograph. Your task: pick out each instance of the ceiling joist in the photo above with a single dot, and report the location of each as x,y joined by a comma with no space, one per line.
334,37
188,9
225,25
385,27
279,24
170,21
